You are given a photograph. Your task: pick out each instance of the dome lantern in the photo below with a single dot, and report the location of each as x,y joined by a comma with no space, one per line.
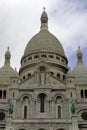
44,20
80,71
7,56
6,71
79,56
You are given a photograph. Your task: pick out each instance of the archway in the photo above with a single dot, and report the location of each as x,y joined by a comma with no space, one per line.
42,101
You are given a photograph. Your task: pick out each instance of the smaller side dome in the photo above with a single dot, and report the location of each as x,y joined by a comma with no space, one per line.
6,71
80,71
70,78
70,74
79,56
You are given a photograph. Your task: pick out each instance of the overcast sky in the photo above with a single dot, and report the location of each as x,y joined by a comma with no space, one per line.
20,20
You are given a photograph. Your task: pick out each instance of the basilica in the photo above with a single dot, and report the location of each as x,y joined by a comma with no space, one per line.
45,94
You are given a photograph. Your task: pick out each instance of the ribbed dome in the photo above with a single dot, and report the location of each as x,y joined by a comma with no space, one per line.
80,71
70,74
44,40
44,47
6,72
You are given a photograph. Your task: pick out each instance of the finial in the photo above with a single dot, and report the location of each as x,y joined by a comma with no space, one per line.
44,20
79,56
44,8
15,69
8,48
7,56
79,52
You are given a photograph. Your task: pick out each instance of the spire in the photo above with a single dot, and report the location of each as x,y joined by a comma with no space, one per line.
79,56
44,20
7,56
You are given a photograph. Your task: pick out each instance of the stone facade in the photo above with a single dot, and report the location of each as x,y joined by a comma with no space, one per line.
45,94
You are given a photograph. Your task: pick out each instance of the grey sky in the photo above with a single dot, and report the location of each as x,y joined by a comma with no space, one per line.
20,20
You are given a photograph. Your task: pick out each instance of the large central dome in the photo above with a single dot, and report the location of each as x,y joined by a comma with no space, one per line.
43,48
44,40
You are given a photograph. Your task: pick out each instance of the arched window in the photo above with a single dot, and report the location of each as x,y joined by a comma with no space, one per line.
59,112
43,55
25,107
42,98
25,112
51,73
58,99
70,94
13,94
0,94
29,74
85,93
29,58
23,77
58,58
4,94
36,56
25,99
63,77
58,75
51,56
81,93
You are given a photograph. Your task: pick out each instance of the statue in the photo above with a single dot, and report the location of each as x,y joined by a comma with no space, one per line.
10,107
73,107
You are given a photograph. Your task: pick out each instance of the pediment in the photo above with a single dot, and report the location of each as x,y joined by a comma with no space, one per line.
55,81
36,80
27,83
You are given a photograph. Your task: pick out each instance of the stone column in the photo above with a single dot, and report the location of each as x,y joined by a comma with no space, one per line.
52,109
47,78
36,77
49,107
9,123
74,115
74,122
35,107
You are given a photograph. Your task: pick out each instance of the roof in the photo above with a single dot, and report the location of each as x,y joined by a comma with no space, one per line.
6,71
44,40
80,71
